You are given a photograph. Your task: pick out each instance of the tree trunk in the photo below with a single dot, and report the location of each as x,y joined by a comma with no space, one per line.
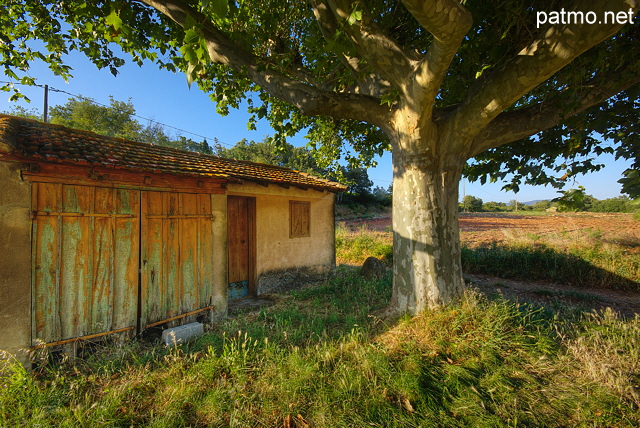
427,270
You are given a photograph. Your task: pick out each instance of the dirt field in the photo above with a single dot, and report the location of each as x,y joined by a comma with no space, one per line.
483,228
477,229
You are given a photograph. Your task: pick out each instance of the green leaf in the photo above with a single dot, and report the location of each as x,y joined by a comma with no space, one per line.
220,8
631,182
192,72
189,54
114,20
191,36
355,16
571,200
189,22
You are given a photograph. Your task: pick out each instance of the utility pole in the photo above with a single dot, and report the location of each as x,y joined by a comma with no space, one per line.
464,196
46,103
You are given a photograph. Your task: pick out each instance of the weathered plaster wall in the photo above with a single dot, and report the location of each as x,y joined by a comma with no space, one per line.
276,252
219,210
15,261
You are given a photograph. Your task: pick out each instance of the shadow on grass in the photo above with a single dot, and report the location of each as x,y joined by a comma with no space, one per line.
587,268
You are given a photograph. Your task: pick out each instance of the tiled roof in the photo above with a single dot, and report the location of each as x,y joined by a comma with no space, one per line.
58,144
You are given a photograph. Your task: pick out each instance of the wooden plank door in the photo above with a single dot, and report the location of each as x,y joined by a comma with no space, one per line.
241,245
177,274
85,260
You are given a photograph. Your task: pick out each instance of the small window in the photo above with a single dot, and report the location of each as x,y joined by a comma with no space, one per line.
299,216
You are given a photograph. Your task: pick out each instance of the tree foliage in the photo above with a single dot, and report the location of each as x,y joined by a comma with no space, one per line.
116,120
267,151
472,204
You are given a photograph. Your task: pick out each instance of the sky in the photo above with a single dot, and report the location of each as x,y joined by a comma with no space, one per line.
165,97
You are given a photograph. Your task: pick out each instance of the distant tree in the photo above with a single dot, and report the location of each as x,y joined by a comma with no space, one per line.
620,204
243,150
155,133
588,203
541,205
115,120
23,112
267,151
357,180
183,143
382,196
472,204
494,207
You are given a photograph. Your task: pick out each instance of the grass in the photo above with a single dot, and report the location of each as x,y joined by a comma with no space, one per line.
589,260
320,358
325,356
353,247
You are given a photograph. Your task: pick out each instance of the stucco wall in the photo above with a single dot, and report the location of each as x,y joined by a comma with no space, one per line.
219,210
275,251
15,262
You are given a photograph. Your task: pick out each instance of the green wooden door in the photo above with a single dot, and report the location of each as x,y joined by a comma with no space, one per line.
85,260
177,255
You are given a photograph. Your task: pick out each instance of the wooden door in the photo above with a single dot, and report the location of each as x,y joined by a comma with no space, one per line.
177,274
85,260
241,244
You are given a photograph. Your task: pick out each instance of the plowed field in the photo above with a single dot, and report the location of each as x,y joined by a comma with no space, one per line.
484,228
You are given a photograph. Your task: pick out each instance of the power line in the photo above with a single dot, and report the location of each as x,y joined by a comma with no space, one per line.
52,89
482,190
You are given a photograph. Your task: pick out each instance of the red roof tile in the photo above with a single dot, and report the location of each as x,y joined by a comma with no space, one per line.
54,143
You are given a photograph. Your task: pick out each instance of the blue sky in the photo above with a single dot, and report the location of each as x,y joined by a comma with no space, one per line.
165,97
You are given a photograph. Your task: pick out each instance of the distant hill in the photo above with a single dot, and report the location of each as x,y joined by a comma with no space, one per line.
528,203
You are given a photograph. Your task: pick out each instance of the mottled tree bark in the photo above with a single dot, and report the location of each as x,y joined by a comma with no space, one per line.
427,269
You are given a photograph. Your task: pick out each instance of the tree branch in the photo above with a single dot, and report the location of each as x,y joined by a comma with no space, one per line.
557,47
381,52
368,83
448,21
514,125
310,100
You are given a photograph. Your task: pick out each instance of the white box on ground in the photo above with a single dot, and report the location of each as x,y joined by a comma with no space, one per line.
178,335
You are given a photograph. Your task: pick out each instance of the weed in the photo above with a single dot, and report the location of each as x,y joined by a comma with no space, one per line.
625,241
354,247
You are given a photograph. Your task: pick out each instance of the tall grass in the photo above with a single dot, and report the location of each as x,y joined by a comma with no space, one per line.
353,247
321,357
588,260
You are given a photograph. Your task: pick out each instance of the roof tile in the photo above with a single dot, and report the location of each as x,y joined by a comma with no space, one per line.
55,143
